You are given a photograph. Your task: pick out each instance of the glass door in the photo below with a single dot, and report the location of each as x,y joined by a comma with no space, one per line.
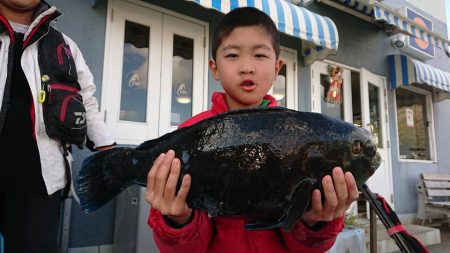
338,108
375,119
155,71
284,88
131,89
154,79
182,77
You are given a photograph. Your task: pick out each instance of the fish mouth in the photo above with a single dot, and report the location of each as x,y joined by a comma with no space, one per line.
376,162
248,85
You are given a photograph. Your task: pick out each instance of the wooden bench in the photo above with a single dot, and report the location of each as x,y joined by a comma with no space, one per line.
433,192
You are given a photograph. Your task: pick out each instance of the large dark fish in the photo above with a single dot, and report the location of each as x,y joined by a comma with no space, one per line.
259,164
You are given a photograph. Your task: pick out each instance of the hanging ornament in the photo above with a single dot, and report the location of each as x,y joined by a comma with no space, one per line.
334,90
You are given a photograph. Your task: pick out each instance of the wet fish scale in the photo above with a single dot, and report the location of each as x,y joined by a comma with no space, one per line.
259,164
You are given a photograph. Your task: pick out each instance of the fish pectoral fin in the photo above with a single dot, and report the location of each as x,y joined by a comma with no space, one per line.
299,203
260,225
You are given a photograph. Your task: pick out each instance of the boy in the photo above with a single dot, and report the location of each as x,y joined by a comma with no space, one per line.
245,61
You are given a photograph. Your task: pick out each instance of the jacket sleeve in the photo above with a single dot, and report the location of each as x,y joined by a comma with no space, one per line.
96,127
303,239
193,237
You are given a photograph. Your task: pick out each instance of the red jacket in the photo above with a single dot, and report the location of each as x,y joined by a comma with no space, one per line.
225,235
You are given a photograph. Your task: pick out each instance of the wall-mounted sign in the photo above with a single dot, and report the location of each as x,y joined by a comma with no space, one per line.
409,117
414,43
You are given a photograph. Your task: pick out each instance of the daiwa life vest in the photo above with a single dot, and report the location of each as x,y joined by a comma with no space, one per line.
63,109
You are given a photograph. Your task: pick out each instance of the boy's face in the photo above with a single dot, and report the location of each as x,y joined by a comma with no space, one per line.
246,66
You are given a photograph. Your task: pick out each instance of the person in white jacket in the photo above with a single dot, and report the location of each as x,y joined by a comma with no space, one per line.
32,170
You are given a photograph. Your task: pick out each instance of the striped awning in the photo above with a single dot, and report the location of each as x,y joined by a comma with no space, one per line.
364,6
319,33
404,70
399,22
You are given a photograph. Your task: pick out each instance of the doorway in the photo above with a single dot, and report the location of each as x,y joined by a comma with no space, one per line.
155,70
363,103
155,77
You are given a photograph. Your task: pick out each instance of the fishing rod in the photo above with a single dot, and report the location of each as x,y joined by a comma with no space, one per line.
381,213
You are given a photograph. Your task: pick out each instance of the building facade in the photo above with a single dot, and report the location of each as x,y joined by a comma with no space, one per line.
149,60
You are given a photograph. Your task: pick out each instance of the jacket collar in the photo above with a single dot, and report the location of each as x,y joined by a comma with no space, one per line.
42,16
219,102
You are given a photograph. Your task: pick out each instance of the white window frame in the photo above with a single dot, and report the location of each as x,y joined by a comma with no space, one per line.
430,118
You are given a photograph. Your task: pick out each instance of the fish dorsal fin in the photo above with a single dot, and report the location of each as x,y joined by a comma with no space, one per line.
255,110
299,203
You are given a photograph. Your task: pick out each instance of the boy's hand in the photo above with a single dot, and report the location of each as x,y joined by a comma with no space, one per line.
340,191
161,189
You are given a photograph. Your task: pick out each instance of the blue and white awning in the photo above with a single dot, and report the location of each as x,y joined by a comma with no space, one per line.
380,12
405,71
409,26
364,6
319,34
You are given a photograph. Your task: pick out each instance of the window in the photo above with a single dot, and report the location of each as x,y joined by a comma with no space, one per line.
414,123
182,78
133,105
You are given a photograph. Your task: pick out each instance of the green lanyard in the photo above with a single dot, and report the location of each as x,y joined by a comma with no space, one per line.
264,103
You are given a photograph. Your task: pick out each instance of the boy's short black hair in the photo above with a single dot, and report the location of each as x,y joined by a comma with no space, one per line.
245,16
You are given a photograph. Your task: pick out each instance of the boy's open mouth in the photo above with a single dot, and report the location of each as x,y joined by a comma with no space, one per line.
248,85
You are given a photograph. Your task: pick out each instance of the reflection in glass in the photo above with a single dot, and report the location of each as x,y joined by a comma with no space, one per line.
356,99
412,125
375,117
279,87
333,110
133,97
182,78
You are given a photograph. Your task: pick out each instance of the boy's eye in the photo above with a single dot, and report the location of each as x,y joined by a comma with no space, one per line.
231,56
261,56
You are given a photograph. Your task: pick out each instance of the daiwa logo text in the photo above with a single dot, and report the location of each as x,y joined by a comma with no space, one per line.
81,118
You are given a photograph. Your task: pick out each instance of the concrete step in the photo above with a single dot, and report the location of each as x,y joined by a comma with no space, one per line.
426,235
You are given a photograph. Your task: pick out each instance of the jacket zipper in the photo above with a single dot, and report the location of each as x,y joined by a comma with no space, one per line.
59,53
62,114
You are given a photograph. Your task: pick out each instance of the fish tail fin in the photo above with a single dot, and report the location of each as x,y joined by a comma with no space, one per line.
101,178
300,202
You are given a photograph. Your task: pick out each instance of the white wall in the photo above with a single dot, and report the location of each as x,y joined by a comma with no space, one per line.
436,8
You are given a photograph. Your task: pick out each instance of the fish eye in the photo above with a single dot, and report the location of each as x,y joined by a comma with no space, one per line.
356,148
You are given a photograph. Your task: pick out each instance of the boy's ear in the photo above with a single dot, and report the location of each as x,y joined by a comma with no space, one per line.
213,66
278,66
